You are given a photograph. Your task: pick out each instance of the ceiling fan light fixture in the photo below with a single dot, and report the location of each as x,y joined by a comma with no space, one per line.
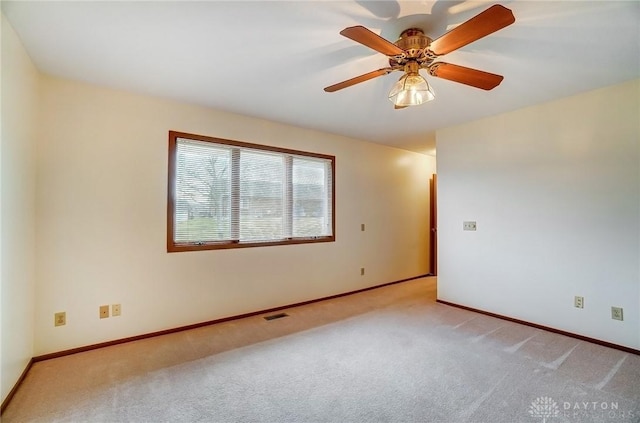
411,90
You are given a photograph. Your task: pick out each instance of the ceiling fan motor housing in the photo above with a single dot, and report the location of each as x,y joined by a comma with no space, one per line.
415,45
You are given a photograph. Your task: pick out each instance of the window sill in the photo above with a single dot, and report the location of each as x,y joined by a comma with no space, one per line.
225,245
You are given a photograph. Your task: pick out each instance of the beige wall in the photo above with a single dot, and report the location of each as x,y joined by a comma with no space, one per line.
101,218
555,191
17,208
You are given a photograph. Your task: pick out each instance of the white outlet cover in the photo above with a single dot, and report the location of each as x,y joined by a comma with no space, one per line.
617,313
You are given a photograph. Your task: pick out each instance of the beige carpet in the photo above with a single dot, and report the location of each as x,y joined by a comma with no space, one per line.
388,355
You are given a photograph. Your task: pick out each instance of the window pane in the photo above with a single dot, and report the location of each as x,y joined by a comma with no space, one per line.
311,197
261,196
203,187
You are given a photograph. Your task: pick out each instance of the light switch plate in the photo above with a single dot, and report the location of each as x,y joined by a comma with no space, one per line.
469,226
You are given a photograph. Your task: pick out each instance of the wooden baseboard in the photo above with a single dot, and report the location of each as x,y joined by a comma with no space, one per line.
547,328
207,323
13,391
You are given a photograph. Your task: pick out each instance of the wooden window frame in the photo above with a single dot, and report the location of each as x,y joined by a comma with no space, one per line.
173,247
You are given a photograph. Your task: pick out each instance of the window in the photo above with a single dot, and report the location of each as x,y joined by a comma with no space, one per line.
230,194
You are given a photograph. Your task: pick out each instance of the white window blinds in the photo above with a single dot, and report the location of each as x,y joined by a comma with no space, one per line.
203,192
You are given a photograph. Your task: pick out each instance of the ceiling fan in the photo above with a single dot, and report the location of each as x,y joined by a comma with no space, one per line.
415,51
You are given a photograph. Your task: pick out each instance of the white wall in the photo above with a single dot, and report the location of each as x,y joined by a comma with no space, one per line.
555,191
17,215
101,217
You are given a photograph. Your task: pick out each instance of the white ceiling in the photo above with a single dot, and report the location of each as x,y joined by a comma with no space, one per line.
272,59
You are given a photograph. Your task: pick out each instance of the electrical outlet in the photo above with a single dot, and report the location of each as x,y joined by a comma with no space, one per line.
115,310
616,313
362,271
60,319
468,226
104,311
578,302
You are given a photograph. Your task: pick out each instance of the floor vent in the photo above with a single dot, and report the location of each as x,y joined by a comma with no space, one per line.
276,316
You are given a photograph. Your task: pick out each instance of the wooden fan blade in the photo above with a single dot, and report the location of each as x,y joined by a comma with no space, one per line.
357,80
399,107
473,77
372,40
494,18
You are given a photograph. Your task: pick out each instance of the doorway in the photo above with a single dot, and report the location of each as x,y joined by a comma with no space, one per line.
433,224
